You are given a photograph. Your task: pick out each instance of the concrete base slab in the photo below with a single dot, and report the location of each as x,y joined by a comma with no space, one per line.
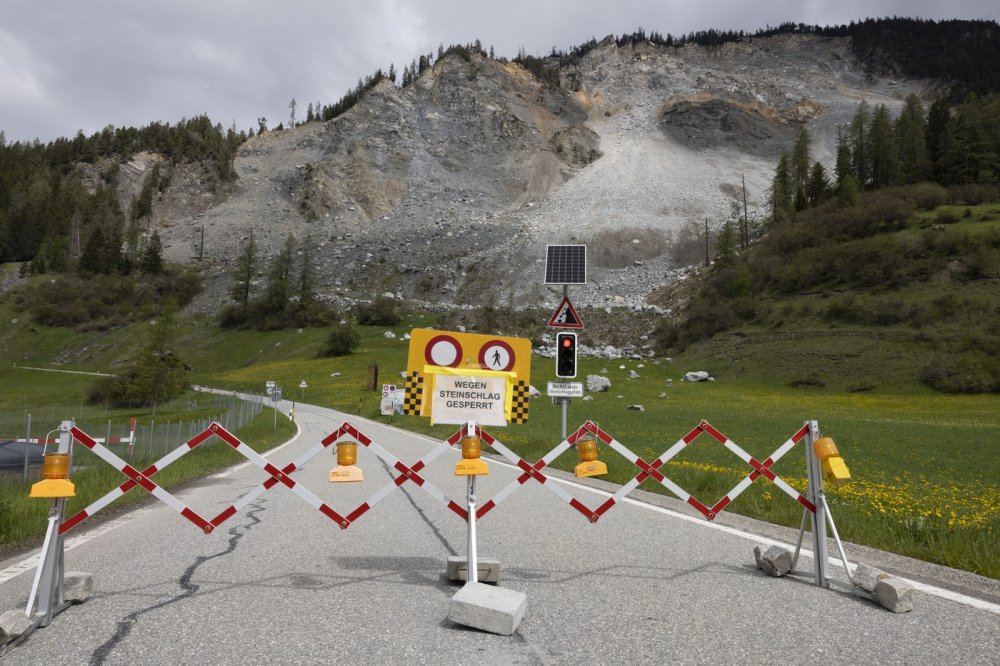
488,571
488,608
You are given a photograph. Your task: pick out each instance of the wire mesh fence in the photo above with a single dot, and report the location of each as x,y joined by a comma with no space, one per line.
23,435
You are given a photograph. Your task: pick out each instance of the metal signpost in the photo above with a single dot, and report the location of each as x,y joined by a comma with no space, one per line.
565,265
472,380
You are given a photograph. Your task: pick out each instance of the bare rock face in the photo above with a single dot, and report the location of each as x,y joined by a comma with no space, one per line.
710,121
576,145
447,191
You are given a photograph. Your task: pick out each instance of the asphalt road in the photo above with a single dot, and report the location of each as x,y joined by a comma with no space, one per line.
281,583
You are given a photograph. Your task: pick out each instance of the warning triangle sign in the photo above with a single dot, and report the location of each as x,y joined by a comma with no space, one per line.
565,316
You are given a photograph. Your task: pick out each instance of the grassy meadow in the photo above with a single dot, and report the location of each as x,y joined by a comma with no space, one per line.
925,466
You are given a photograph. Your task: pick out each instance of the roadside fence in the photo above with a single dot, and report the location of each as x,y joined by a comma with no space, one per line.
24,435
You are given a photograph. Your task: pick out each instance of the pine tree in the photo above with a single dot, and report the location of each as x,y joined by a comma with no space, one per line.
884,157
843,160
151,261
246,269
782,195
914,165
860,158
307,282
819,185
799,169
278,289
938,135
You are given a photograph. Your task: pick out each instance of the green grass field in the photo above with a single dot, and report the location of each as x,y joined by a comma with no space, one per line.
925,466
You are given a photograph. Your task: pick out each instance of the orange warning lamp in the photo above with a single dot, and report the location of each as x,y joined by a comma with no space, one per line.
834,468
471,464
346,470
589,465
55,481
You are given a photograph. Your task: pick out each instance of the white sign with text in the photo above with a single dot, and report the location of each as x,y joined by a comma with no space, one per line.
462,399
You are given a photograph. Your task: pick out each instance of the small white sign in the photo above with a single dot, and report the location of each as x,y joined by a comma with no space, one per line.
392,400
303,384
565,389
459,399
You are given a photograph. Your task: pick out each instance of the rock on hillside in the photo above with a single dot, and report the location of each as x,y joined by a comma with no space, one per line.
449,189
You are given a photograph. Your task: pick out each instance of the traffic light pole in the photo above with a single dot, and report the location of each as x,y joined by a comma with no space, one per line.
564,401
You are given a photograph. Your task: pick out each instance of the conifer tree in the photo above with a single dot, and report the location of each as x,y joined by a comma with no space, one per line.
860,158
914,165
799,169
246,269
782,195
884,157
843,160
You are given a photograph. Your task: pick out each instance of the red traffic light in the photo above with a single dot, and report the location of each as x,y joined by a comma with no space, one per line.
566,355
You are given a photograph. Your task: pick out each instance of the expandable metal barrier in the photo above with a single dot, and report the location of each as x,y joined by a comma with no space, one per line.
47,589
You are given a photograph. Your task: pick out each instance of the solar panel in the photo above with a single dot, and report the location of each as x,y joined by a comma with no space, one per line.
565,264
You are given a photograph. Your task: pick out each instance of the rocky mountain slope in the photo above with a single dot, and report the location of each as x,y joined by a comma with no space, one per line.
449,190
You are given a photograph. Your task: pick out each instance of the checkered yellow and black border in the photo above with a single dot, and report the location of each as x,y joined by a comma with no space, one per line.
413,397
519,403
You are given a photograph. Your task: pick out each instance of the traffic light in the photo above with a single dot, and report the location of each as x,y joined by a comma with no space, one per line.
565,354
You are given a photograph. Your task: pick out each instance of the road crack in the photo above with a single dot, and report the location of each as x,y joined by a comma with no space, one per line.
188,588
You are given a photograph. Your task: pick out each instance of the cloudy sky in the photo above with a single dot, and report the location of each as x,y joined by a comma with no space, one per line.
69,65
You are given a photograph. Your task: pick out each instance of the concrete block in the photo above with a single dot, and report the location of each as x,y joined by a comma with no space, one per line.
13,623
775,561
77,585
489,608
867,577
488,571
894,594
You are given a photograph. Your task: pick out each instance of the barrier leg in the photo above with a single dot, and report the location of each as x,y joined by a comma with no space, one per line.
836,537
818,499
47,589
473,561
798,544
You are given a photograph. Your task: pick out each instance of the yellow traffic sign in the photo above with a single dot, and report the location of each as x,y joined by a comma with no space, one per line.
484,377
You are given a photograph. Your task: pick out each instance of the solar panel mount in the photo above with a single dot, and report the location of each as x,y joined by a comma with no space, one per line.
565,264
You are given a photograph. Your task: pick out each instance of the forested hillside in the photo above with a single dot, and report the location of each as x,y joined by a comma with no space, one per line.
904,238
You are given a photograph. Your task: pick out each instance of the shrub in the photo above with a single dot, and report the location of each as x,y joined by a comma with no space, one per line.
382,312
810,379
343,339
973,194
968,373
929,195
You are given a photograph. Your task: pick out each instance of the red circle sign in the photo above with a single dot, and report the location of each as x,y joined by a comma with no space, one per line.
443,350
496,355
